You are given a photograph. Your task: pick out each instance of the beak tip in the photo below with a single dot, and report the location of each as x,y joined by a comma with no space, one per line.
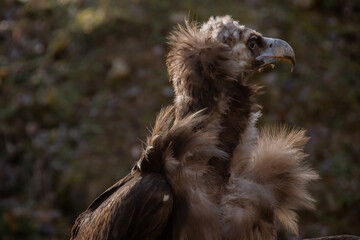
293,64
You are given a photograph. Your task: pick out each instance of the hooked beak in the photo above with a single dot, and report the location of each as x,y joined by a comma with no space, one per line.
274,51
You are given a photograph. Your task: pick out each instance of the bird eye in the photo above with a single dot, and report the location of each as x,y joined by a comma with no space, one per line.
252,42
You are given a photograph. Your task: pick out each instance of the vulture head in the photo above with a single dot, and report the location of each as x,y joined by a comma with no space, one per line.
249,48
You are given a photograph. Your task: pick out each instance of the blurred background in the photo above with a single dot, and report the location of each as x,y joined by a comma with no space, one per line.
81,82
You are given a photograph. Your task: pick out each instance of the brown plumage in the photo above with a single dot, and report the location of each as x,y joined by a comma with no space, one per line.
206,173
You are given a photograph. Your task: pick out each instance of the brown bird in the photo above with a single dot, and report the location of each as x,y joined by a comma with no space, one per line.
206,172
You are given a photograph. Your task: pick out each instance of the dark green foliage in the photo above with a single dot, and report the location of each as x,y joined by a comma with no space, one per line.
81,81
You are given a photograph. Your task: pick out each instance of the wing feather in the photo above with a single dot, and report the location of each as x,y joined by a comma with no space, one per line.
136,207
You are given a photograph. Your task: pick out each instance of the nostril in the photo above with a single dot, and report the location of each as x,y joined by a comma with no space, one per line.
271,44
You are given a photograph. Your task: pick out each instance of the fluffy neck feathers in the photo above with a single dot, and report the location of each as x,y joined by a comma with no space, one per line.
206,75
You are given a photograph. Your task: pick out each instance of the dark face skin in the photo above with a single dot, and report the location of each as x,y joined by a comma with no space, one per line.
254,52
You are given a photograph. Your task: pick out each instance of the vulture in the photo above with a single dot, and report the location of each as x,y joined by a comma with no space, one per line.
206,171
